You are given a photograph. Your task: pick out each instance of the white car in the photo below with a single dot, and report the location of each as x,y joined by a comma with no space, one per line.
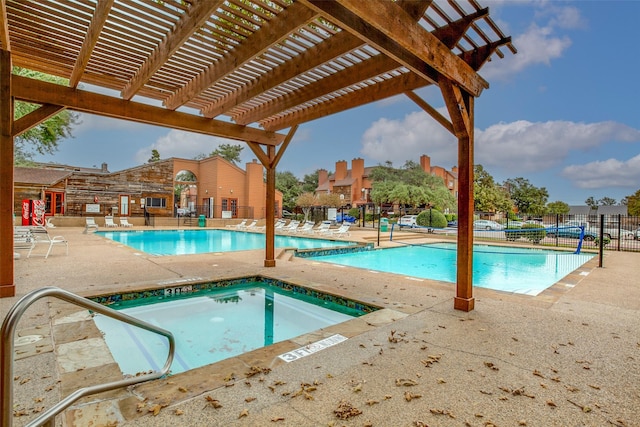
408,221
485,224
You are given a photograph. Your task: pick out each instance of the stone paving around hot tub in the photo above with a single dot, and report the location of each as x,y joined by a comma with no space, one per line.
569,356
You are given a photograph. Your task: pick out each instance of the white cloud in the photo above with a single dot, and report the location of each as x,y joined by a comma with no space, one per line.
525,146
606,173
401,140
187,145
540,43
520,146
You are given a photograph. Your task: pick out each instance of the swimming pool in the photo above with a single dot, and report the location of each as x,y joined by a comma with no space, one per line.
509,269
188,242
213,324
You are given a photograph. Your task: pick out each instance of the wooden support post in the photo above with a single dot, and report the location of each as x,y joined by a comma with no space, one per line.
270,260
7,285
460,106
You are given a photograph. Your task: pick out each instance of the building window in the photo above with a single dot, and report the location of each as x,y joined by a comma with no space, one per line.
156,202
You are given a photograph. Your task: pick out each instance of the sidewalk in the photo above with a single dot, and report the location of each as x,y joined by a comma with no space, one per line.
570,356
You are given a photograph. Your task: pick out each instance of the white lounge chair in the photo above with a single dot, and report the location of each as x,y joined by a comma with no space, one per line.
323,227
124,222
50,224
240,225
41,235
291,226
306,228
251,227
108,222
90,224
342,231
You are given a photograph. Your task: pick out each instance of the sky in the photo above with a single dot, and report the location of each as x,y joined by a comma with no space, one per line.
562,113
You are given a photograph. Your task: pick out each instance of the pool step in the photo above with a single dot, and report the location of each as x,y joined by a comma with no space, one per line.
285,254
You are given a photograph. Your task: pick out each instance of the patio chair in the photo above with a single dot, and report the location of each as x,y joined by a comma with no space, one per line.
240,225
108,222
291,226
342,231
324,226
306,228
90,225
41,235
49,224
251,227
124,222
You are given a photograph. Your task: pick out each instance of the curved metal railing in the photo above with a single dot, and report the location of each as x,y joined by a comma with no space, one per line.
7,349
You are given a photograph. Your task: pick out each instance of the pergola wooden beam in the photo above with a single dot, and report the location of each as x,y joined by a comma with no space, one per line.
309,59
191,21
349,76
292,18
7,284
371,93
100,16
40,92
34,118
402,39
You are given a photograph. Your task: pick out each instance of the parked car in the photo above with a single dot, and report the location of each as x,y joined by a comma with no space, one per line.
572,233
636,234
345,218
486,224
408,221
452,224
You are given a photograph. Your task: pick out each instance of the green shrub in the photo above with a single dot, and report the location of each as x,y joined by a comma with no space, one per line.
431,218
532,232
354,212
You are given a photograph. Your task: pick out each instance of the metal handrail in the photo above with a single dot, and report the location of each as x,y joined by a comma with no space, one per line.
7,349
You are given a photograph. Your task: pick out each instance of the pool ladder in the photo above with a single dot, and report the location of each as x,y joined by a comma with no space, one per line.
47,418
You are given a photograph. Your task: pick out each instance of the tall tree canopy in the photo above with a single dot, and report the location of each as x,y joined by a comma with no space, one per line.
155,156
558,208
44,138
229,152
310,182
527,197
409,185
633,204
488,196
288,185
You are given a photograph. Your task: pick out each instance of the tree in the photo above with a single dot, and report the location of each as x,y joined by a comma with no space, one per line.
591,202
527,197
306,201
487,195
310,182
229,152
331,200
290,188
607,201
409,185
633,204
155,156
558,208
45,137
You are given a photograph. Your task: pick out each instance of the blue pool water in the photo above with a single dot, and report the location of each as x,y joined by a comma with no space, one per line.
213,325
519,270
188,242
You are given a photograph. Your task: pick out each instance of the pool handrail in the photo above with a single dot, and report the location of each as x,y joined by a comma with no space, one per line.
7,354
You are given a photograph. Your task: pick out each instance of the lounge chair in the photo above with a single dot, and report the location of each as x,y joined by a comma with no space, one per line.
240,225
41,235
251,227
323,227
90,224
108,222
306,228
291,226
124,222
49,224
342,231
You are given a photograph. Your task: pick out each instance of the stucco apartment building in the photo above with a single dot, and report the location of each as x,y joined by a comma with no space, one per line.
218,189
354,185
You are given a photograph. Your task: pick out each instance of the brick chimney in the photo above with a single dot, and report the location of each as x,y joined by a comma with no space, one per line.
341,170
425,163
323,176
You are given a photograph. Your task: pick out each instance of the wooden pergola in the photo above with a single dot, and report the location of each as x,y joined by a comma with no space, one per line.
248,70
